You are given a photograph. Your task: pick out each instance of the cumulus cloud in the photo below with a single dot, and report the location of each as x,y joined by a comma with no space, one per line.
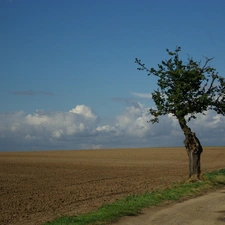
47,129
79,128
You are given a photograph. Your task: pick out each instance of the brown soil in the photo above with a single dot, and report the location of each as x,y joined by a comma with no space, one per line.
38,186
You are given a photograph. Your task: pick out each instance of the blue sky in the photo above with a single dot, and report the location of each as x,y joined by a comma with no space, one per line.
78,56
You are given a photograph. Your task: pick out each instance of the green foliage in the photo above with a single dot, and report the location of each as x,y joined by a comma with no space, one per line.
185,89
217,177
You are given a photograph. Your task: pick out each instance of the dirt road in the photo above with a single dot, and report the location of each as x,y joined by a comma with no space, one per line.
204,210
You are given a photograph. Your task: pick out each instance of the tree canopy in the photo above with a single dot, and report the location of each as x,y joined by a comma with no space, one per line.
185,89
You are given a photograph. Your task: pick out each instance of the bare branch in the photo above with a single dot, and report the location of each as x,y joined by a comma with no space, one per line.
206,62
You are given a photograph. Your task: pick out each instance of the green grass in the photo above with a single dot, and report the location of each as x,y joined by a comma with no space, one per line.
132,205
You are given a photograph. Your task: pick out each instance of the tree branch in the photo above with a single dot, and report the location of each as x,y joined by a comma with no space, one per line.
206,62
211,85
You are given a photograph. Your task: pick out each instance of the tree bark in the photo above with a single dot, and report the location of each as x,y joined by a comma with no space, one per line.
194,150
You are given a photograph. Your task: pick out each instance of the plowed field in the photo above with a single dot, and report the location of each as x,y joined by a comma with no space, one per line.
38,186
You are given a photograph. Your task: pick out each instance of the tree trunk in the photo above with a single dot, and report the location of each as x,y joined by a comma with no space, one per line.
194,150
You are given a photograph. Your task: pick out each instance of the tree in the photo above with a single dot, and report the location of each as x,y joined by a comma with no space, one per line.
184,90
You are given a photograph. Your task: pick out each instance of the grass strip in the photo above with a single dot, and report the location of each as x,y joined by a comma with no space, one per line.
132,205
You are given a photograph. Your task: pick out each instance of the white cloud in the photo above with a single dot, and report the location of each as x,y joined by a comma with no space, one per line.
142,95
84,111
79,129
